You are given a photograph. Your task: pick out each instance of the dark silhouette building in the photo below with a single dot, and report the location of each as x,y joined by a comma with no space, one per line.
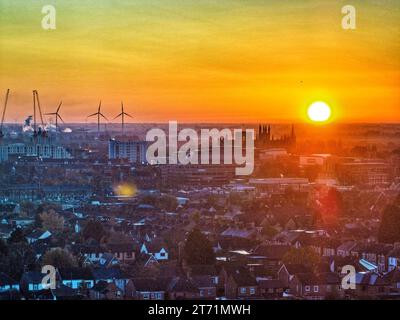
265,139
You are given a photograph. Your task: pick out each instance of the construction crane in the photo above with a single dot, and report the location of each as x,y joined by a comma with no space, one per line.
41,131
57,115
4,113
122,115
98,114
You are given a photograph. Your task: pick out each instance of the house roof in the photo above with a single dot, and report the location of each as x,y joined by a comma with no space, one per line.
309,278
395,253
148,284
32,277
393,276
240,233
370,279
108,273
80,248
296,268
272,252
243,278
76,274
6,280
203,270
347,246
122,247
182,284
64,291
270,284
203,281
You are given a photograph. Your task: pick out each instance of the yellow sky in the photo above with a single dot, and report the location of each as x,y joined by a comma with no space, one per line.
203,61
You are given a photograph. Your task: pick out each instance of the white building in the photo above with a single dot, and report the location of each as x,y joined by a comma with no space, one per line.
134,151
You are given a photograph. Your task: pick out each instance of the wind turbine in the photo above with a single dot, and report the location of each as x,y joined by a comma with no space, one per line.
98,114
57,115
122,115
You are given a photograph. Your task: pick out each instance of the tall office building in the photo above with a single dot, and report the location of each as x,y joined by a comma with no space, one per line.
134,151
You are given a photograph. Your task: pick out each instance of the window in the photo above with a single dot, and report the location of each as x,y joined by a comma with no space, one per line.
307,288
201,293
145,296
242,290
316,288
162,254
252,290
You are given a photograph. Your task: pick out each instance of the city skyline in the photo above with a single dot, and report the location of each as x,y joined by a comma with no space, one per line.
225,62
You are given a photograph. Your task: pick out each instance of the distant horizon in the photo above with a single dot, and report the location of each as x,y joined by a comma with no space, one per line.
226,61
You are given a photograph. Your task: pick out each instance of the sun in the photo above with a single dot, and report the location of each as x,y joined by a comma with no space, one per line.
319,111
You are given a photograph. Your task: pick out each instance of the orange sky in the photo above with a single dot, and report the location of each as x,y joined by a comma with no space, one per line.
203,61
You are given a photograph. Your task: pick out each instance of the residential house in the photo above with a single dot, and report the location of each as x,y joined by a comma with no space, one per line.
32,288
312,286
148,289
181,288
241,285
36,235
104,290
158,250
108,260
271,254
370,284
206,286
90,253
124,252
31,282
271,288
344,250
375,253
394,258
393,278
287,272
111,275
77,278
8,285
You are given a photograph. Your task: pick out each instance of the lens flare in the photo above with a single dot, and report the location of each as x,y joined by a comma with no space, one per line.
125,190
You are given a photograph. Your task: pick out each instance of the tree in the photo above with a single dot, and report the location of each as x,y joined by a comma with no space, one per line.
304,256
17,236
59,258
269,231
3,247
168,203
20,258
52,221
94,230
198,249
389,230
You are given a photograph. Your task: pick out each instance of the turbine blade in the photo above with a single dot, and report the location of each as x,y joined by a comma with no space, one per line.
94,114
127,114
58,109
59,117
118,116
